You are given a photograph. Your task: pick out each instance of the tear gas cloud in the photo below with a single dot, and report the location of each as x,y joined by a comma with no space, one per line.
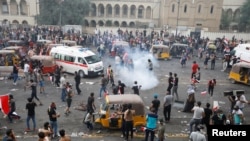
147,79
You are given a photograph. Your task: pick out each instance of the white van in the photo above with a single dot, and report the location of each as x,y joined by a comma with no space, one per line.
77,59
243,52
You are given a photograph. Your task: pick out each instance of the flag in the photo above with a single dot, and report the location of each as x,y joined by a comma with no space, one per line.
4,103
204,93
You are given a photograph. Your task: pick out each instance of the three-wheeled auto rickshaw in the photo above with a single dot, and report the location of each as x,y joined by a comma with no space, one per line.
240,72
178,49
68,42
160,51
8,58
46,63
16,43
106,118
19,50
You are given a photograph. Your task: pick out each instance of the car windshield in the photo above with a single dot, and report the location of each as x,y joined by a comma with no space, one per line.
92,59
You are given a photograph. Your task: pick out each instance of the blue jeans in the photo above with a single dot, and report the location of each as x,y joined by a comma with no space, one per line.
53,125
103,88
89,125
152,134
63,95
33,120
15,77
195,122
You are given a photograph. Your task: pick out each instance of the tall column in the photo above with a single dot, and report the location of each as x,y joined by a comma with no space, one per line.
113,12
120,12
18,7
8,4
144,14
128,12
136,12
97,12
28,10
104,12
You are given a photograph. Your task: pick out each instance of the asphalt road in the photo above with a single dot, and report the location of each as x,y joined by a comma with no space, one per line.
176,130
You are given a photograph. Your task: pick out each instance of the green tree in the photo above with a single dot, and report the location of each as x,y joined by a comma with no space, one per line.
62,12
225,21
245,18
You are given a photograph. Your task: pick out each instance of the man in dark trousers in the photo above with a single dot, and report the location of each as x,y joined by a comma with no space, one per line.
151,124
211,84
12,104
30,107
167,106
175,86
170,82
78,81
58,75
121,87
155,103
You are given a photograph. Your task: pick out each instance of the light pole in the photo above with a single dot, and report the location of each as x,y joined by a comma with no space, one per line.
177,20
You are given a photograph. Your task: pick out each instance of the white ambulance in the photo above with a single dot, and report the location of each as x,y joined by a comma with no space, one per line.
82,60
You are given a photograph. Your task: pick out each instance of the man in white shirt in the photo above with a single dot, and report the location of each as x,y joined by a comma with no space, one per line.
62,80
26,71
197,116
240,101
197,135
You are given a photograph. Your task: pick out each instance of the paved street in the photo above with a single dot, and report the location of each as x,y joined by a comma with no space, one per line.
175,130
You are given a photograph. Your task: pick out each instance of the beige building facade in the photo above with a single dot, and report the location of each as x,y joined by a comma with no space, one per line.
18,12
135,13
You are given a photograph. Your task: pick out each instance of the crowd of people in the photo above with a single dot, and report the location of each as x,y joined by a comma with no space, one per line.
138,40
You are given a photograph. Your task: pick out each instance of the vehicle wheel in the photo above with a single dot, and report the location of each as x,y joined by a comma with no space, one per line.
81,73
97,126
233,81
138,128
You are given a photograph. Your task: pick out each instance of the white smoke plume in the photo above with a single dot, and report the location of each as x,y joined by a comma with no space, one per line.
147,79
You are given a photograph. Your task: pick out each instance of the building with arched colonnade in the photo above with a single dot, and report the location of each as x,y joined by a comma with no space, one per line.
18,11
136,13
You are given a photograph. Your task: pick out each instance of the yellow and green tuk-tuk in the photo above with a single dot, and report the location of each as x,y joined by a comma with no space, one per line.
160,51
8,58
178,49
106,118
240,72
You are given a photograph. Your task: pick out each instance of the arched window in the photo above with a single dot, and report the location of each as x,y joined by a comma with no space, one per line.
173,6
185,9
212,9
199,9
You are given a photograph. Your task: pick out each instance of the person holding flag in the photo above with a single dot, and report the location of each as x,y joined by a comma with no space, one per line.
12,106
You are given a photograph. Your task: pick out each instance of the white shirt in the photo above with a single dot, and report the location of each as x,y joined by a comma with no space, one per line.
239,103
62,81
197,136
198,111
117,60
26,67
